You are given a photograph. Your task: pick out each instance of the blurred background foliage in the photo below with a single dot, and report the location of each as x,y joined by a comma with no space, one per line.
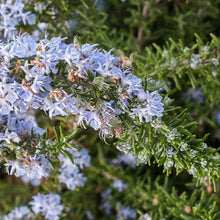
159,37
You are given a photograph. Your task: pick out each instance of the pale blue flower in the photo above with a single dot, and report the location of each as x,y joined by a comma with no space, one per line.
132,84
71,177
106,198
126,159
12,14
106,205
126,213
48,205
21,212
70,173
91,118
146,216
23,46
41,83
196,95
35,167
119,185
217,117
154,104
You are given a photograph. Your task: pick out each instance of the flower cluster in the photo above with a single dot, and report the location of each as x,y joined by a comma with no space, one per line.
196,95
70,173
48,205
122,212
21,212
29,82
83,81
92,85
64,85
106,201
30,167
126,159
12,13
17,127
126,213
84,64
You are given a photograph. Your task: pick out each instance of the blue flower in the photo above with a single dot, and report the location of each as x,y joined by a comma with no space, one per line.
21,212
132,84
71,177
126,159
154,104
106,205
48,205
106,200
119,185
126,213
217,117
196,95
12,14
69,173
23,46
32,167
91,118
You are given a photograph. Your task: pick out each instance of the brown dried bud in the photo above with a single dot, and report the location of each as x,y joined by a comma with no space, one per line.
118,131
209,188
38,47
76,46
58,93
17,66
125,62
188,209
27,85
33,144
37,62
22,135
155,201
25,154
124,95
6,160
114,79
73,77
27,162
